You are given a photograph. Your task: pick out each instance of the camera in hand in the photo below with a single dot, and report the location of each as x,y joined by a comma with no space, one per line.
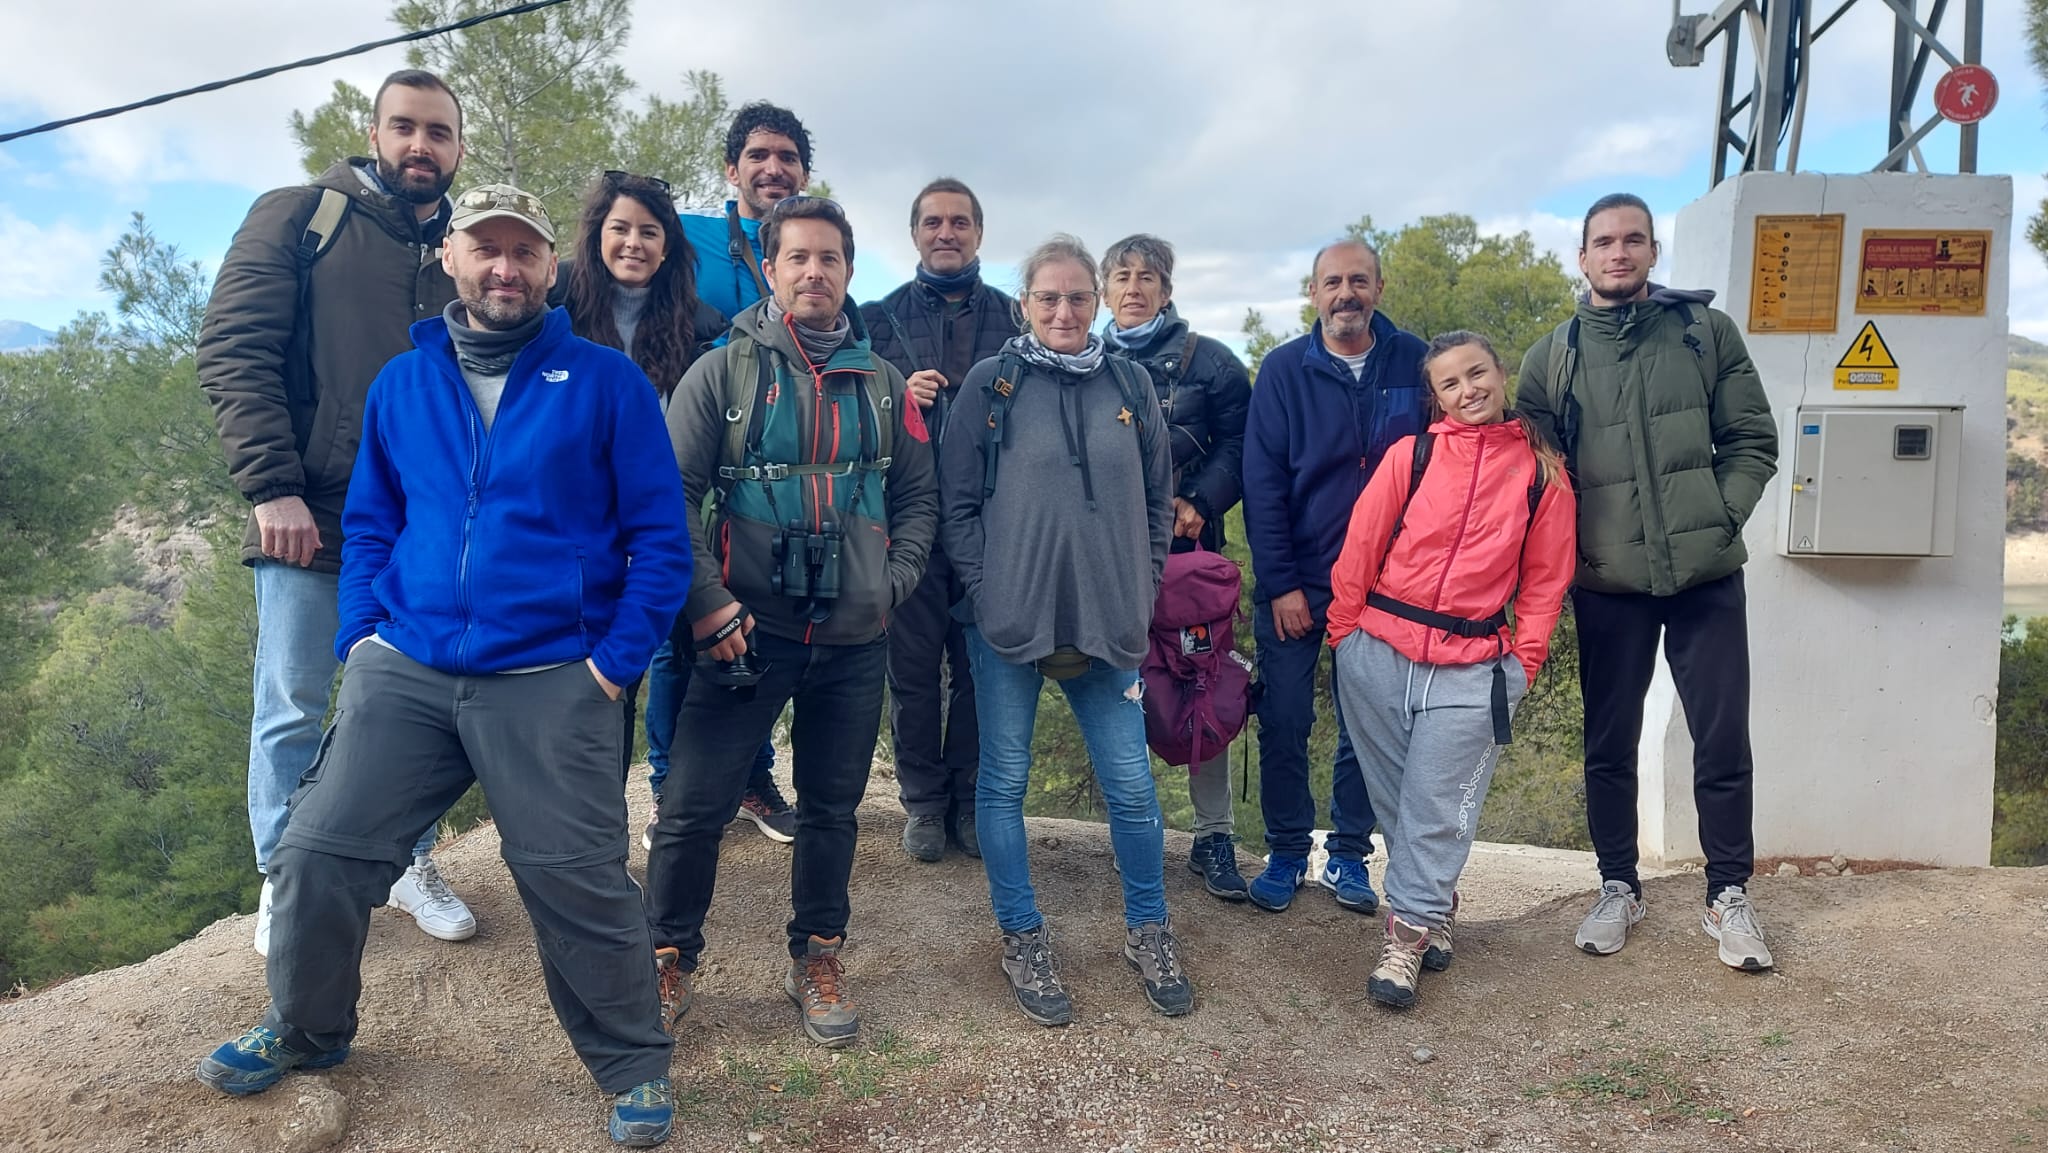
740,674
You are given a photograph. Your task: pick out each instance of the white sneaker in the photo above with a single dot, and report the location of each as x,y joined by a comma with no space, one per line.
1731,921
434,908
1605,929
263,920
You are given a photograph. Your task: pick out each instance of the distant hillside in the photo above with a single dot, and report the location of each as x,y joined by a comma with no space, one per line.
2018,346
20,334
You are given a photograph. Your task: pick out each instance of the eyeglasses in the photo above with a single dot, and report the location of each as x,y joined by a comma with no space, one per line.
615,179
1050,301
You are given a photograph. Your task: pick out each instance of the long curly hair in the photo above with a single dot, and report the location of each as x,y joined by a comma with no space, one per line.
665,342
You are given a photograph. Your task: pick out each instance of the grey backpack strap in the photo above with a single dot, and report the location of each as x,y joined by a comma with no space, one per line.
321,229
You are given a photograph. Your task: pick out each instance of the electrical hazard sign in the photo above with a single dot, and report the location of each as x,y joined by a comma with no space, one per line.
1868,365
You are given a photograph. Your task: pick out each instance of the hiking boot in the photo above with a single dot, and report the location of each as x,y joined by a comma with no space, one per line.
818,986
642,1115
924,836
1273,889
434,907
1214,859
257,1060
769,812
965,832
1349,879
1035,976
1437,957
263,920
1731,921
676,984
1153,951
1605,929
1393,979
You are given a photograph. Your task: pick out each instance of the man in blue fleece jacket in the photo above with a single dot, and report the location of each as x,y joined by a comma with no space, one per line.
514,548
1325,408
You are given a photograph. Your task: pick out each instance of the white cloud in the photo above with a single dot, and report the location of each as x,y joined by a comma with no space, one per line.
1246,134
48,262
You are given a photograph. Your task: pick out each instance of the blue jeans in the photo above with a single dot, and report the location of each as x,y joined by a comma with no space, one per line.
667,680
1287,711
1113,725
296,619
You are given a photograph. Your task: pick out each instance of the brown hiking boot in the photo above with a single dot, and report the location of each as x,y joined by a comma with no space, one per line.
676,993
1393,980
818,986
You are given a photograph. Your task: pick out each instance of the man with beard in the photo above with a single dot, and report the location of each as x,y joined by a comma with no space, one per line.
824,505
315,294
515,548
1664,421
1326,407
934,329
767,158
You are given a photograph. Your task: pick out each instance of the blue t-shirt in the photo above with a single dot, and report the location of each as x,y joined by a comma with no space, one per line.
721,283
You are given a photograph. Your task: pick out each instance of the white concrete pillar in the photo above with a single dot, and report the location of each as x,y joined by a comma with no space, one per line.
1874,679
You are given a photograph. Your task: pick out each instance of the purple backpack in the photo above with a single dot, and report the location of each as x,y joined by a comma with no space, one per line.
1197,685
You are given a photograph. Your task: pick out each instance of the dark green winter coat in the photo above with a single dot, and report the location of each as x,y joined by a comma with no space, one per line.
1668,433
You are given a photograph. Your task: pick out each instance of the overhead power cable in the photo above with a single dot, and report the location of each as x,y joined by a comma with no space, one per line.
459,25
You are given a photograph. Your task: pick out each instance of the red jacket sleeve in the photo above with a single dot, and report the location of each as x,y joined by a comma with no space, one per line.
1549,558
1365,541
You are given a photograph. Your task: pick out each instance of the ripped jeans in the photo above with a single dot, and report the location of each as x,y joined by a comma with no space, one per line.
1107,705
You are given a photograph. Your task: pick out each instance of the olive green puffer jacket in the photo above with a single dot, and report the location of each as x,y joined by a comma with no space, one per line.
1668,433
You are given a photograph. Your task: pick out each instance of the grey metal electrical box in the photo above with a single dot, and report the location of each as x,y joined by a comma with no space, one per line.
1872,481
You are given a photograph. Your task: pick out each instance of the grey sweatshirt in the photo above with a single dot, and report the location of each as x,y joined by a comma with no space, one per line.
1041,568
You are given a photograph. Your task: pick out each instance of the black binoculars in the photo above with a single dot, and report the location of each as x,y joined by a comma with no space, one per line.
807,561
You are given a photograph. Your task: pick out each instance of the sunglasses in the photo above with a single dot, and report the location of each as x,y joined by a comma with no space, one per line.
615,179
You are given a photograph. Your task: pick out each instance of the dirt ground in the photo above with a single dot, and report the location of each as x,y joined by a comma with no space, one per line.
1908,1012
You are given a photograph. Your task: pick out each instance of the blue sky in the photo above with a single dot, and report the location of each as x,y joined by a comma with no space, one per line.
1245,140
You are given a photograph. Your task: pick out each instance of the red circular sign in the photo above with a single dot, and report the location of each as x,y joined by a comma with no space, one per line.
1967,94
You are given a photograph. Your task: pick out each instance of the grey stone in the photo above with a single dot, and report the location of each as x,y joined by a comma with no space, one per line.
320,1121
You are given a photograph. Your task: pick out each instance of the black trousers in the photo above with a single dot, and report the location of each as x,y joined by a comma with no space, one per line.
931,699
837,690
1706,638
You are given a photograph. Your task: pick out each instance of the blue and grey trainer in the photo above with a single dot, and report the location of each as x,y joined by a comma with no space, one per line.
1273,889
1214,859
642,1115
1347,877
258,1059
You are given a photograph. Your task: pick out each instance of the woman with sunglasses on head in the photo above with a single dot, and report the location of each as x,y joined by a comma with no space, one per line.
632,285
1443,600
1056,507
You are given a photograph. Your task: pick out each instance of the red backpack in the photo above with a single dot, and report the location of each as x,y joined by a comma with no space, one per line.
1197,685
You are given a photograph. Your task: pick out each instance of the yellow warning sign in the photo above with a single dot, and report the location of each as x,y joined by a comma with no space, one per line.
1939,272
1868,364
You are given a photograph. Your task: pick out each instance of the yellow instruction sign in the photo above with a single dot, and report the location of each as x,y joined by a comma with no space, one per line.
1924,272
1795,282
1868,364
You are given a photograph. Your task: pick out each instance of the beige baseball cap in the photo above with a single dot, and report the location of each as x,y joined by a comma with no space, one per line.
490,201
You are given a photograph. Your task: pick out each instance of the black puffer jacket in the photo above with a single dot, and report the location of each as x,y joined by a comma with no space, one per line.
1205,400
915,328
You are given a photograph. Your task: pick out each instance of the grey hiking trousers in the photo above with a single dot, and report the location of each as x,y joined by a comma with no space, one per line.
404,745
1424,737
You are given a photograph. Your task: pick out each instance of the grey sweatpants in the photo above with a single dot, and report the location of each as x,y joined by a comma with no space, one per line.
1209,789
405,743
1424,735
